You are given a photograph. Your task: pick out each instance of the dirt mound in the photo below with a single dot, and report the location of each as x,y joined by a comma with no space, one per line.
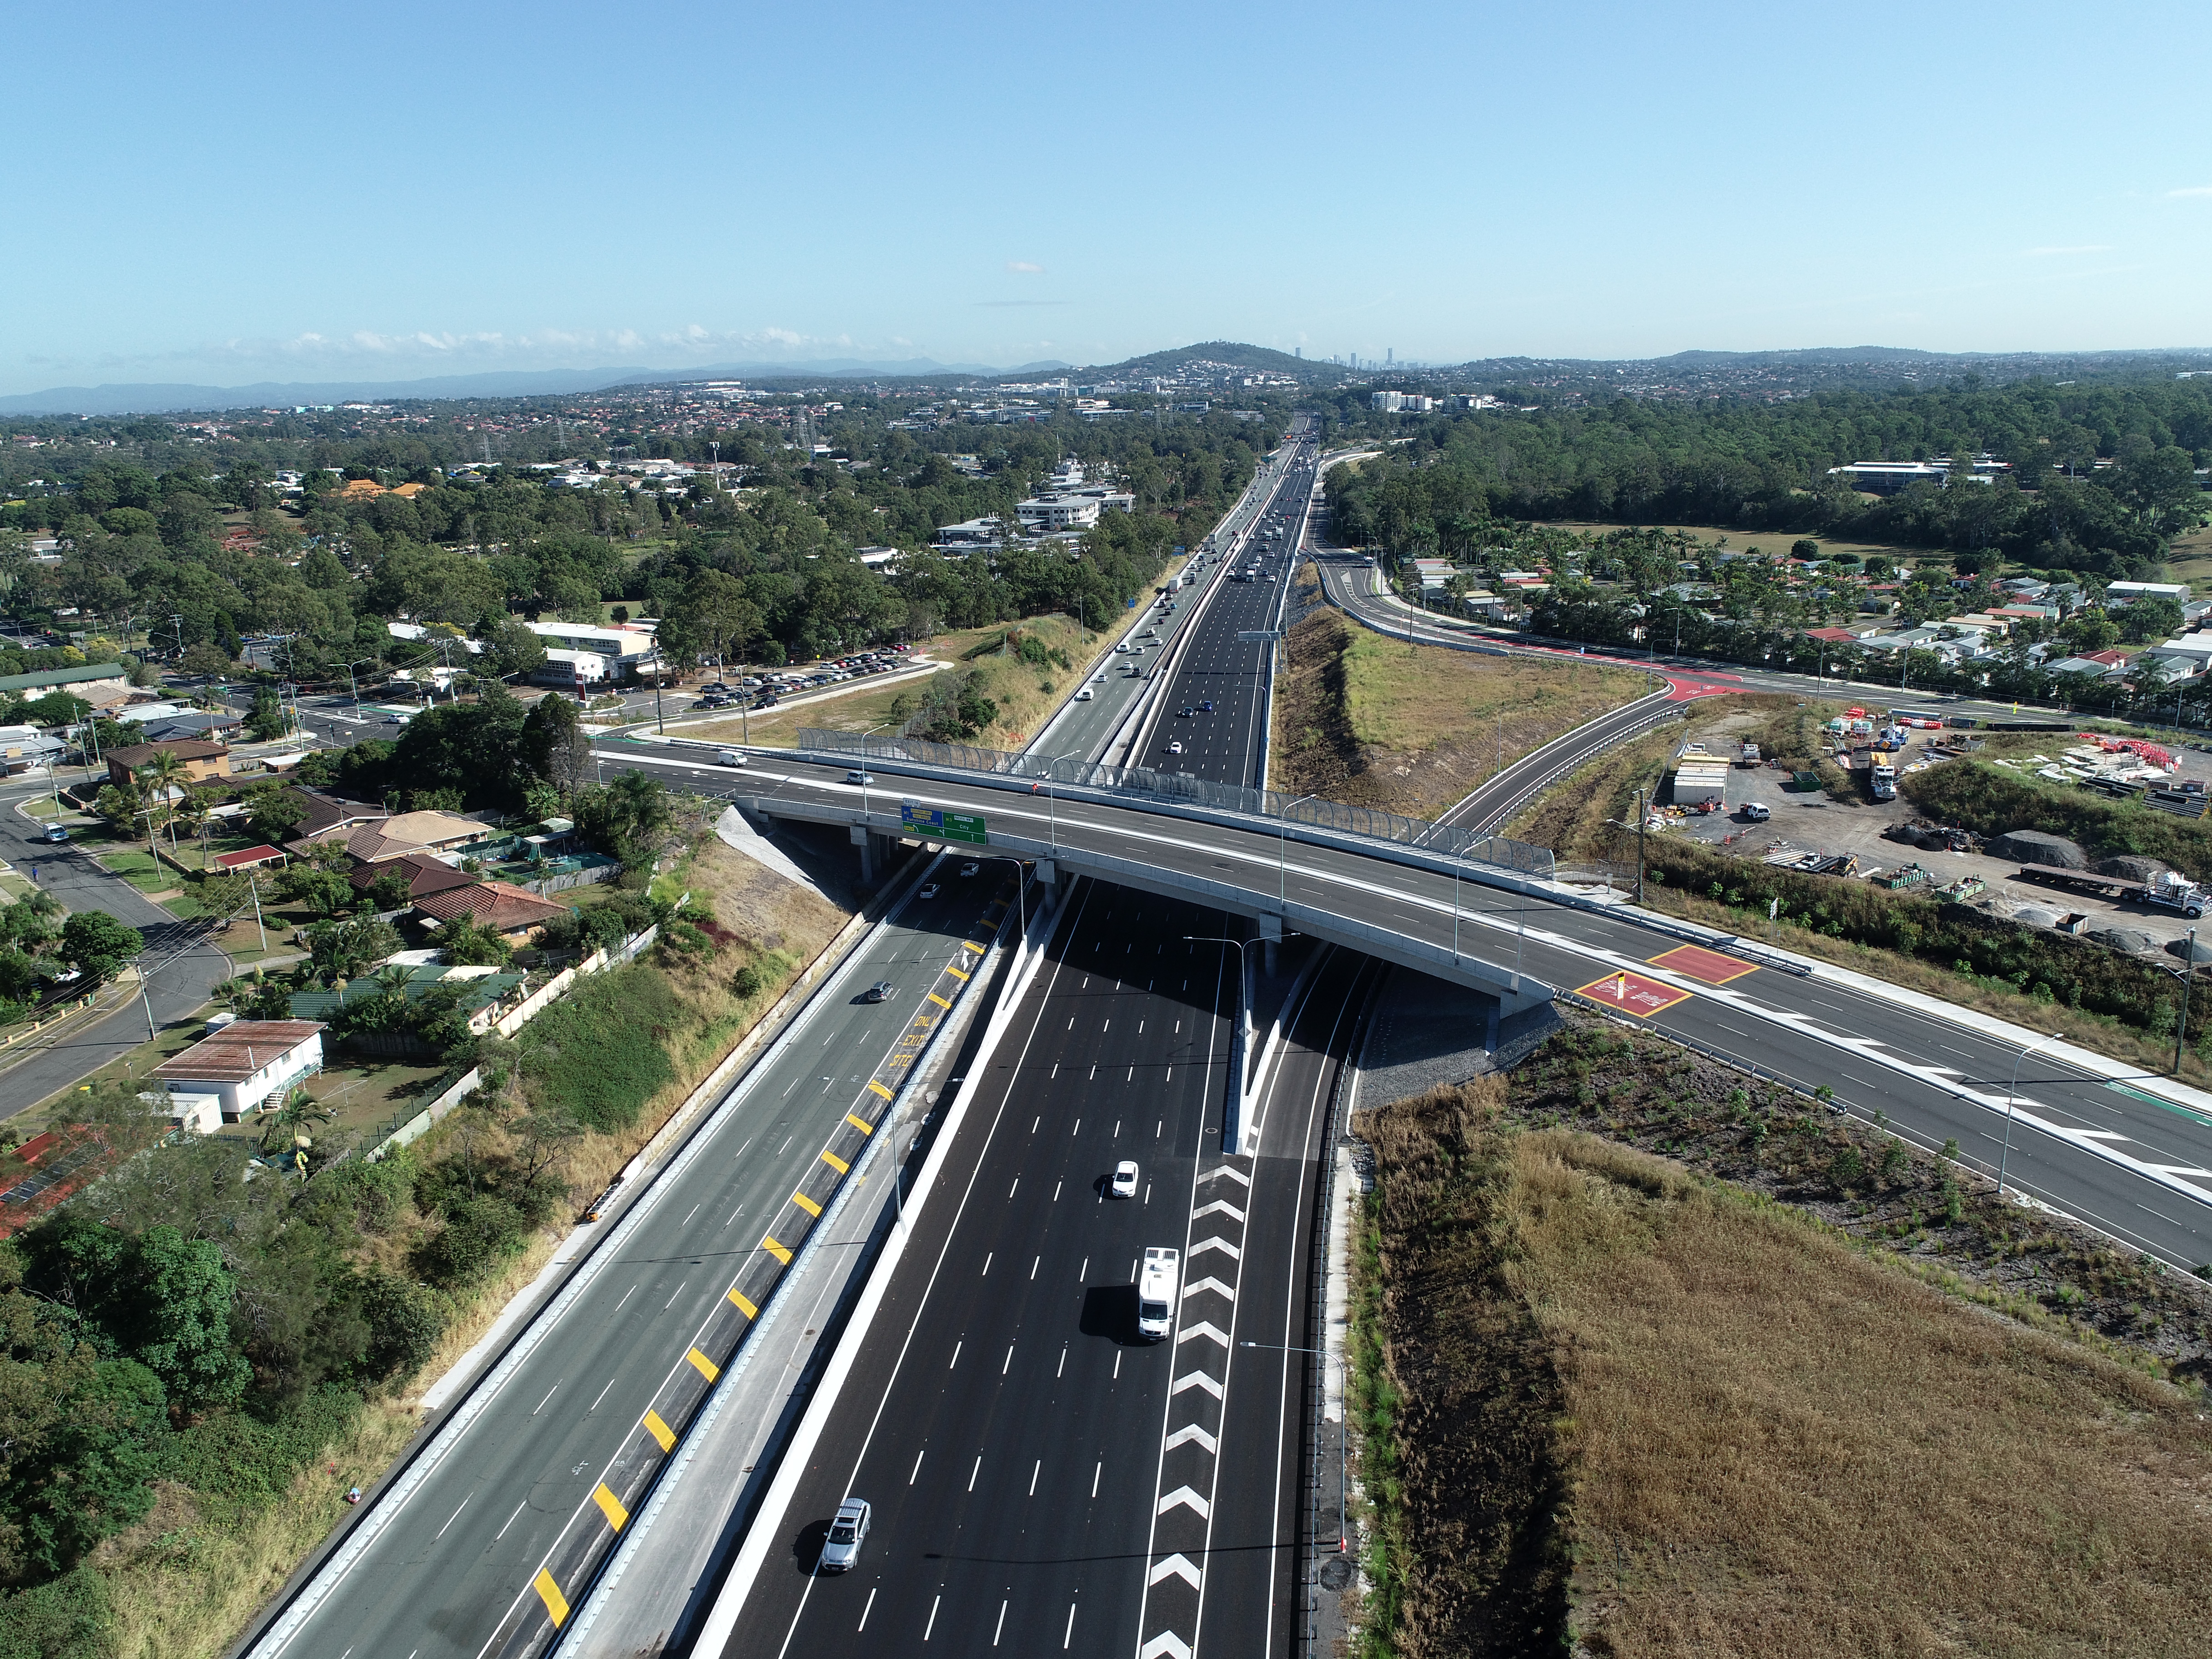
2133,940
2034,847
2190,949
2132,866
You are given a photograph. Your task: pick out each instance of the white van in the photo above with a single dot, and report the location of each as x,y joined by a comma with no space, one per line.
1157,1282
729,757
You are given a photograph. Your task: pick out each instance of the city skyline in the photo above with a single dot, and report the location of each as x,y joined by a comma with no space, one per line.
509,191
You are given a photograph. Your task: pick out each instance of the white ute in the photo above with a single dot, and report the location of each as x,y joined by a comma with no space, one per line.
1157,1284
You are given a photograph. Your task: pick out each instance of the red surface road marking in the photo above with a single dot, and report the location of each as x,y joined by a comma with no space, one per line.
1695,962
1632,993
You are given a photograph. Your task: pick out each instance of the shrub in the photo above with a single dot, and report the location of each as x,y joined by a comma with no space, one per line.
601,1052
70,1617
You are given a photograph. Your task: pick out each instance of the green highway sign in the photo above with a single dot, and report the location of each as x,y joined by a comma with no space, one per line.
938,825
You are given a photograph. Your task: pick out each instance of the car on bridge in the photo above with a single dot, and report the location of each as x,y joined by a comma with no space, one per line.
1156,1285
1124,1182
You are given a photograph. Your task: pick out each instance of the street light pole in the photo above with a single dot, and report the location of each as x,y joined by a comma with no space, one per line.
1343,1432
2012,1095
2188,978
1282,851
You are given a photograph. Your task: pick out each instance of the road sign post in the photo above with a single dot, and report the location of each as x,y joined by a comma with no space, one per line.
934,823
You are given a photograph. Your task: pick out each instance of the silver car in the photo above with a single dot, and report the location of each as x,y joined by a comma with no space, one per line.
846,1534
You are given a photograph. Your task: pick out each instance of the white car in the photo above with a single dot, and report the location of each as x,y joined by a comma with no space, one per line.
930,891
846,1534
970,867
1174,748
1124,1184
1098,679
1754,813
1084,695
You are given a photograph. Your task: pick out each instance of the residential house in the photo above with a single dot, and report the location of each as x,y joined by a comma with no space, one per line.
380,839
507,911
203,762
23,747
424,873
327,815
81,681
486,993
240,1067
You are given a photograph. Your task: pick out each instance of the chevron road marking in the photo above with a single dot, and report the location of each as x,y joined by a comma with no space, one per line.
1176,1566
1234,1174
1219,1207
1166,1645
1196,1380
1209,1284
1204,1327
1221,1244
1190,1433
1189,1500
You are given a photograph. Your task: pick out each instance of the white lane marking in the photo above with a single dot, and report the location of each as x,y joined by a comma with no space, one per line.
1187,1498
865,1611
918,1456
932,1625
955,1360
1204,1327
998,1629
1176,1567
1189,1433
1217,1243
519,1509
671,1303
1034,1473
687,1219
1033,1267
1008,1361
1196,1380
627,1294
1061,1368
603,1393
456,1515
549,1393
1219,1207
987,1254
972,1473
1234,1174
1057,1185
1096,1469
1016,1188
1209,1283
1069,1636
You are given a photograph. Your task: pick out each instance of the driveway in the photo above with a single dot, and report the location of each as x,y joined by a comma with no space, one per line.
186,968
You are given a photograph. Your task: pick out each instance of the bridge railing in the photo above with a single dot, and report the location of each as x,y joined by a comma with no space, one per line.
1141,783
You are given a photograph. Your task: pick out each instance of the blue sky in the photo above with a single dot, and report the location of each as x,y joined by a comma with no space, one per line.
227,194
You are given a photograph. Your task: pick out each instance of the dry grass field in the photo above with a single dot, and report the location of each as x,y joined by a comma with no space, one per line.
1371,721
1773,542
1670,1417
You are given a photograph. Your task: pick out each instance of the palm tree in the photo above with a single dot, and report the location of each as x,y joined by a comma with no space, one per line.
163,773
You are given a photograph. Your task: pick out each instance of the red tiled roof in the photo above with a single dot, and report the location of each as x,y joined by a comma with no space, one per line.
495,905
245,857
424,874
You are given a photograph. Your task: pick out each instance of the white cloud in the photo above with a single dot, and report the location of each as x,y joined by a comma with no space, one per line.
2084,248
2192,190
1024,268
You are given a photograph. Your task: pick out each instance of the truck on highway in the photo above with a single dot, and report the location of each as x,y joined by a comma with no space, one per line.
1158,1281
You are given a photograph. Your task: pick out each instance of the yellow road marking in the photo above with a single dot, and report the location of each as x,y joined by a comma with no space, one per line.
660,1431
954,972
806,1204
939,1000
744,1306
865,1128
768,1243
970,945
706,1367
880,1089
550,1593
617,1516
835,1162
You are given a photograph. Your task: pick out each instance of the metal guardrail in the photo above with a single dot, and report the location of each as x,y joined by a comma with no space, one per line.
1658,717
1181,789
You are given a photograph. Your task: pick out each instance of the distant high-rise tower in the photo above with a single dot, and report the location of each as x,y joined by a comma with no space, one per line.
1389,355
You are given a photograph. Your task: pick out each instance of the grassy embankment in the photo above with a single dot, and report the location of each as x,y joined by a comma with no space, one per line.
1772,541
1025,694
1374,722
184,1582
1841,1403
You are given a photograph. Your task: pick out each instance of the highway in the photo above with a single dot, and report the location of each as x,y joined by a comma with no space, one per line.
1041,1480
450,1556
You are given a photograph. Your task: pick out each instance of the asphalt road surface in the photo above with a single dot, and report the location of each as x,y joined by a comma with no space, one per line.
183,967
1042,1479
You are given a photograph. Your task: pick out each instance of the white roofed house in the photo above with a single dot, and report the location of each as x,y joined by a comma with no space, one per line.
240,1068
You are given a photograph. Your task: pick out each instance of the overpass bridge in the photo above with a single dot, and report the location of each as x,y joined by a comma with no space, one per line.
2129,1153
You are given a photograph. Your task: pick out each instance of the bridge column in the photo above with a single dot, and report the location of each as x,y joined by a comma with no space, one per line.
1048,872
865,838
